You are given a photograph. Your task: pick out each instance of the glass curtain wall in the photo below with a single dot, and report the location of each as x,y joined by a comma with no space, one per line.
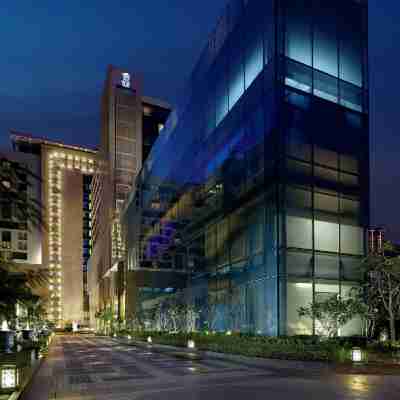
325,177
258,184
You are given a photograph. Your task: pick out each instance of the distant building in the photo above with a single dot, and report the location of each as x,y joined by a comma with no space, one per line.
130,125
65,191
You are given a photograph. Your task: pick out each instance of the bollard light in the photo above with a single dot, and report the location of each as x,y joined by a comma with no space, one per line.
149,340
229,333
9,377
129,337
356,354
191,344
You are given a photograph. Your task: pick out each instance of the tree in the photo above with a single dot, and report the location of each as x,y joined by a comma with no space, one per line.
106,318
191,315
332,313
210,312
174,313
381,287
35,311
16,285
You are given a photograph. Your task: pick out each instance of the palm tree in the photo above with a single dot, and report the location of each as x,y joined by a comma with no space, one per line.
16,285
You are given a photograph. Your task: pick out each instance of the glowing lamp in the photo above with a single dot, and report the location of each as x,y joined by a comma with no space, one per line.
149,340
229,333
9,377
129,337
191,344
356,354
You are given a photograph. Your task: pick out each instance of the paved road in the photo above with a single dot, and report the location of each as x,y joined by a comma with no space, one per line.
84,367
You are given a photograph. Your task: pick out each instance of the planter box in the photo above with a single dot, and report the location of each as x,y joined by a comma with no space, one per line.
27,334
6,340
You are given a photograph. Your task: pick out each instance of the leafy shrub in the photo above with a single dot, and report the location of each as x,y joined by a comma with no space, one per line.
284,347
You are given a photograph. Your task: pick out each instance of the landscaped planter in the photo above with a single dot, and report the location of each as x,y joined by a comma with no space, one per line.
27,334
6,340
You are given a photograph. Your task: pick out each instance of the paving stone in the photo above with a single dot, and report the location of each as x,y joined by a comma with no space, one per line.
77,379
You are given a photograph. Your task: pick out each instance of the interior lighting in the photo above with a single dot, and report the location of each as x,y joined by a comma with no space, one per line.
303,285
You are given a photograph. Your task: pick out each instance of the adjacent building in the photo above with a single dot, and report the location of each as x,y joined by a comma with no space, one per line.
255,196
65,173
21,230
130,124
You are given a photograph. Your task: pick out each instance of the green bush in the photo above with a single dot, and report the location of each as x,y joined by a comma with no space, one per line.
289,348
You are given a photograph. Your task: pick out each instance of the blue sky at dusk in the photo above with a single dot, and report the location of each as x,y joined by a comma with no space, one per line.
55,55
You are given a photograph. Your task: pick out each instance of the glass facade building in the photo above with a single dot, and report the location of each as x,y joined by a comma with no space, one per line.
258,186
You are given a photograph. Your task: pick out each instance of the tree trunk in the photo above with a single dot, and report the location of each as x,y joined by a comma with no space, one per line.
392,328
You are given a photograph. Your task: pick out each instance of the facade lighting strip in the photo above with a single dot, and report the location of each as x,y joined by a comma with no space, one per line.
57,162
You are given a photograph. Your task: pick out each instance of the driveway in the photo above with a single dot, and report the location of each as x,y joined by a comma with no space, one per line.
86,367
